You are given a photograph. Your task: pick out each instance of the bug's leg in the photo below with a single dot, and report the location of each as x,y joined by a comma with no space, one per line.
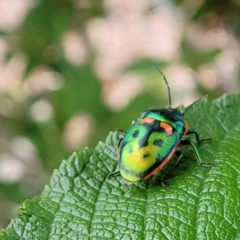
113,174
199,141
179,155
121,138
119,142
197,155
120,130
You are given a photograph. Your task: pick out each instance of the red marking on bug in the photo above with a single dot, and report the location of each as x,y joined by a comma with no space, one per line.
186,128
168,128
147,120
161,165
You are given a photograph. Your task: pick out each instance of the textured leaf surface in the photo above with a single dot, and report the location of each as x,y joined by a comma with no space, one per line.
80,202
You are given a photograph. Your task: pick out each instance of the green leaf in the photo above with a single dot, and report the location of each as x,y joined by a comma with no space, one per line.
81,202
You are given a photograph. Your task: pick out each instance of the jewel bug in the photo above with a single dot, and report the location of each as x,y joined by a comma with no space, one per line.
152,140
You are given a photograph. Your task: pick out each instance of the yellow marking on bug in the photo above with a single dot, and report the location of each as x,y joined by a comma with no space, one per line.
139,160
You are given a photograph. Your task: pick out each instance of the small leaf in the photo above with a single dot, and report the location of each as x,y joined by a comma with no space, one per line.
81,202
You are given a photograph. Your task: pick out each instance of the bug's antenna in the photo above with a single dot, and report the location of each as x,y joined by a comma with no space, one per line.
194,103
168,88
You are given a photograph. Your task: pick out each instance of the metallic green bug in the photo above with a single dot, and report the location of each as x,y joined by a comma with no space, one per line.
151,141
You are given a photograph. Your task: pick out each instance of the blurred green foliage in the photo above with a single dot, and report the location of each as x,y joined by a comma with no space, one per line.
39,39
